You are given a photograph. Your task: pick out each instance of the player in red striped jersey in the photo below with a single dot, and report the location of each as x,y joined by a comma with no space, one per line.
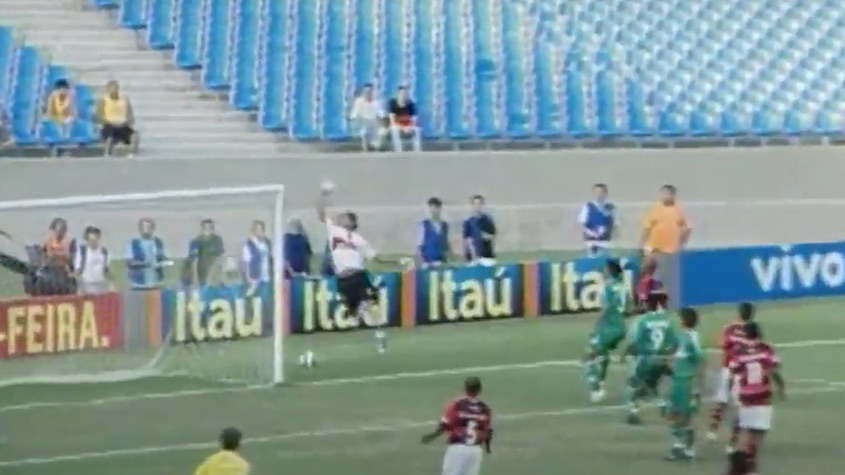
646,284
755,369
731,338
466,421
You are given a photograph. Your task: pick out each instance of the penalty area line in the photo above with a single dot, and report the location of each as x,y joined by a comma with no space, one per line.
831,386
356,380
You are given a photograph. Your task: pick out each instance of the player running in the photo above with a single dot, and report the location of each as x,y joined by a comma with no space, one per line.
466,421
731,339
754,367
688,366
609,331
651,340
349,254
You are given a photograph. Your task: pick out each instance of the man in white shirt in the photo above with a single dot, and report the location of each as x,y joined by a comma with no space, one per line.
350,253
91,264
367,119
257,257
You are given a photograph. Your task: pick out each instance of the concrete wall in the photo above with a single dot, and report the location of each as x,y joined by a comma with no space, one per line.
749,196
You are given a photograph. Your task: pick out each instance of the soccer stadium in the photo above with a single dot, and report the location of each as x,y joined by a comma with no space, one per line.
316,221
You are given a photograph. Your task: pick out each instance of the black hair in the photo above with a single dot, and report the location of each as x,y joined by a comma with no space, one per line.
669,188
54,224
366,85
752,331
353,220
689,317
259,222
472,386
746,311
207,221
402,88
477,197
656,299
230,439
614,268
93,230
434,201
600,185
62,84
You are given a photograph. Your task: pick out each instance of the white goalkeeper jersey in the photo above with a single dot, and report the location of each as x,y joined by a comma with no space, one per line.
349,249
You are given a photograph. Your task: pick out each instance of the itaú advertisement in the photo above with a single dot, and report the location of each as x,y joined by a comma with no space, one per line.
50,325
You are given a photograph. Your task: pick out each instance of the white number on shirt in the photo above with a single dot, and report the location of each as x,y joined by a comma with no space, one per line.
754,373
657,337
471,433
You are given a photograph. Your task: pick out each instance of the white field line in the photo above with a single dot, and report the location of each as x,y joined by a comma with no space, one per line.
344,381
831,386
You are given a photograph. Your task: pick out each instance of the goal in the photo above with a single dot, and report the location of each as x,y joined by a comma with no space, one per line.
195,293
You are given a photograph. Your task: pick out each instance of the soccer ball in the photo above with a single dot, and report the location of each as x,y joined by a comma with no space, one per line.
307,360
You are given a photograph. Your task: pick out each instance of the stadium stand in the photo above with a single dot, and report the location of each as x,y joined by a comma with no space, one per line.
551,70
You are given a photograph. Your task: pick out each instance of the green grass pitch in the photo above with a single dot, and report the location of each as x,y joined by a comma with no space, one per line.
358,413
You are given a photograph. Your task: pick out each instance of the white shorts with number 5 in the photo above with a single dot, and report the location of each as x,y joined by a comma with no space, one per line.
755,417
462,460
723,387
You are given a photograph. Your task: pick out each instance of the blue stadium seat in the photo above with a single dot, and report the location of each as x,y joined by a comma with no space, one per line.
188,45
215,55
306,93
274,75
132,14
245,52
105,4
25,99
518,68
7,55
161,26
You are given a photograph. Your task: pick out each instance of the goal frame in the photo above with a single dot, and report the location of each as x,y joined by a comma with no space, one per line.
278,375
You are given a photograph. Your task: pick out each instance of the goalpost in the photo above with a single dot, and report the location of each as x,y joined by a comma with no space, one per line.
153,318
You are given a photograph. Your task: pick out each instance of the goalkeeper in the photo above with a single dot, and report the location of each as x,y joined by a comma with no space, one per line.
227,461
349,254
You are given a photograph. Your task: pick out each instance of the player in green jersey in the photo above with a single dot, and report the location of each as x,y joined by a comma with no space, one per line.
651,339
609,331
688,368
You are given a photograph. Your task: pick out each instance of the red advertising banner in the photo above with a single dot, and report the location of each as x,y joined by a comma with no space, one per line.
49,325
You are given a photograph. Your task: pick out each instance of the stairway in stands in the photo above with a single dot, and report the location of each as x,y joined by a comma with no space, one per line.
175,117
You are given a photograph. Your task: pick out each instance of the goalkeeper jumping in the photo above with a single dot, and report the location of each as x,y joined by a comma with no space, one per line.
349,254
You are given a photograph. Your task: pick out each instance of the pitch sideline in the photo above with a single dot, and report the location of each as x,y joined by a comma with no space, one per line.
344,381
831,386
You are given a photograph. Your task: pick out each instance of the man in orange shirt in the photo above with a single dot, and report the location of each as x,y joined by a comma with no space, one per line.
666,231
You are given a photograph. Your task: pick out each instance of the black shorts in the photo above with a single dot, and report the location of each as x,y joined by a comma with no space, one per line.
356,288
117,133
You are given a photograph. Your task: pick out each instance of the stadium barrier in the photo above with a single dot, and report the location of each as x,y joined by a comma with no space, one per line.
53,325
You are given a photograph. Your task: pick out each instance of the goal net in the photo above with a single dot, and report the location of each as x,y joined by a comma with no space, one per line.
189,288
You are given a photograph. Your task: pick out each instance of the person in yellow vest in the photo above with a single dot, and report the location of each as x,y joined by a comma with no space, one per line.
227,461
666,230
114,113
60,108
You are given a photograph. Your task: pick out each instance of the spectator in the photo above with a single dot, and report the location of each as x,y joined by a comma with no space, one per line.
403,115
297,250
479,233
666,230
91,263
146,258
58,247
115,114
433,249
367,118
205,257
257,259
597,220
60,109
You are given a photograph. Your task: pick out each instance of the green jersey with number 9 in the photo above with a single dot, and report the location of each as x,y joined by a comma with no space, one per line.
653,334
